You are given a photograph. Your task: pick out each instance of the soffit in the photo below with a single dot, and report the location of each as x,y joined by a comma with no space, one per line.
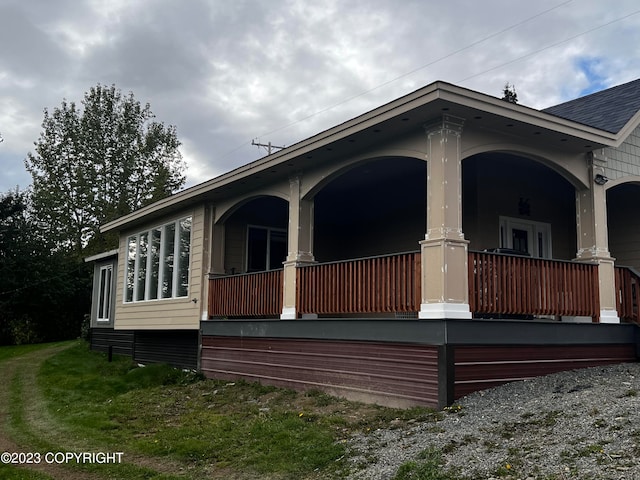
388,122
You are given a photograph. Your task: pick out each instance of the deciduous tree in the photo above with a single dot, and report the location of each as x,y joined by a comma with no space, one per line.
95,163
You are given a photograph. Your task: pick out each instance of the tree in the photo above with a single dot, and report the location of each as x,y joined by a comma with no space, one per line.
97,163
509,93
42,295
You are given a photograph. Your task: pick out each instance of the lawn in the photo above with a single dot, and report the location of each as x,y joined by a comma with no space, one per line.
174,424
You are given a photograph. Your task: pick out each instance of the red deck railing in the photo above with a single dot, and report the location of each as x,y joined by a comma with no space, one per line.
627,294
498,284
505,284
389,283
248,295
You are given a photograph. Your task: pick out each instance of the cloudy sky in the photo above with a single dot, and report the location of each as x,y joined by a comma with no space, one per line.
226,72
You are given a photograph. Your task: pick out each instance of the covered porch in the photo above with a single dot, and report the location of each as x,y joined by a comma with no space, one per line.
429,267
349,240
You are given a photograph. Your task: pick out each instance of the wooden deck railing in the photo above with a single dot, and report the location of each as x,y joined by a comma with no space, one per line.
248,295
498,284
627,294
389,283
505,284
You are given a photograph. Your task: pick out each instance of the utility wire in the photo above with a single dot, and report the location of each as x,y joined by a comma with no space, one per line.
433,62
531,54
404,75
449,55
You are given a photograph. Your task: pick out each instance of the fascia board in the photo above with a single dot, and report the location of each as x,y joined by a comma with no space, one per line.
625,131
421,97
101,256
350,127
524,114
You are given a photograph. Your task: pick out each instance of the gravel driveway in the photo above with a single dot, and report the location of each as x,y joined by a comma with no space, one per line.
583,424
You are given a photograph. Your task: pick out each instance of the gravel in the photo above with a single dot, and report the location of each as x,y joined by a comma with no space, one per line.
583,424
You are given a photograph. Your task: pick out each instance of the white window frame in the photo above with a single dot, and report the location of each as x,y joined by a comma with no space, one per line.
162,265
538,233
105,292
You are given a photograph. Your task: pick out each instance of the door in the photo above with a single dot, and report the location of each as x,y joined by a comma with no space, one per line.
526,236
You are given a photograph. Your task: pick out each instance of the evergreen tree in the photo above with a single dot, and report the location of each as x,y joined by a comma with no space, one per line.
43,295
509,93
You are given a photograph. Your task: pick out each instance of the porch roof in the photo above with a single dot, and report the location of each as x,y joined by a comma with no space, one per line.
402,116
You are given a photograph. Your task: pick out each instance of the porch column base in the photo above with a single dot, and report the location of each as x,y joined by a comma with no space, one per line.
609,316
435,311
289,313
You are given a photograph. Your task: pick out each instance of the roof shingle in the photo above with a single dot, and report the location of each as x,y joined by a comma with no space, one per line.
607,110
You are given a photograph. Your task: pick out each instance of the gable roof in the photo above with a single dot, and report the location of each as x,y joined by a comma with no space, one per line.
609,110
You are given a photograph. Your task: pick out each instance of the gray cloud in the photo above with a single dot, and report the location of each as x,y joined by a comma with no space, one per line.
227,72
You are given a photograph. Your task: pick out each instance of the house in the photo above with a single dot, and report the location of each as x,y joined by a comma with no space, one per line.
369,260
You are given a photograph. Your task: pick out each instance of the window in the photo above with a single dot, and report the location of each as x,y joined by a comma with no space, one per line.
158,262
104,293
526,236
266,248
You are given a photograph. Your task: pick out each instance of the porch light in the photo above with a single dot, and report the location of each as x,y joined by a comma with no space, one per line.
600,179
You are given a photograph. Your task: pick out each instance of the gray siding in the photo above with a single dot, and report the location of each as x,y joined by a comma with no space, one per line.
95,296
624,160
120,341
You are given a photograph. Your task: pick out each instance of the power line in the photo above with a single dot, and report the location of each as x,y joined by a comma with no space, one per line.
550,46
449,55
422,67
406,74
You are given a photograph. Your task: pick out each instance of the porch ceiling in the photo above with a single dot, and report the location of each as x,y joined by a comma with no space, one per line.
401,117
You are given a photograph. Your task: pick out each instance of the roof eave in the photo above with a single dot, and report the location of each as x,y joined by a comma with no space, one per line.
101,256
400,106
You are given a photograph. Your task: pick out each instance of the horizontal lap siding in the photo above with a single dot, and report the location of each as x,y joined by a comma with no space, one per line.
176,314
390,374
120,340
176,348
481,367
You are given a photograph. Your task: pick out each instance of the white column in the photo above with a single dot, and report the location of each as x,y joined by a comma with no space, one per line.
300,244
593,242
444,252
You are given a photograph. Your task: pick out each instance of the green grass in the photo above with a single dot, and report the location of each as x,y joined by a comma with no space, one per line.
174,424
9,472
161,411
7,352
